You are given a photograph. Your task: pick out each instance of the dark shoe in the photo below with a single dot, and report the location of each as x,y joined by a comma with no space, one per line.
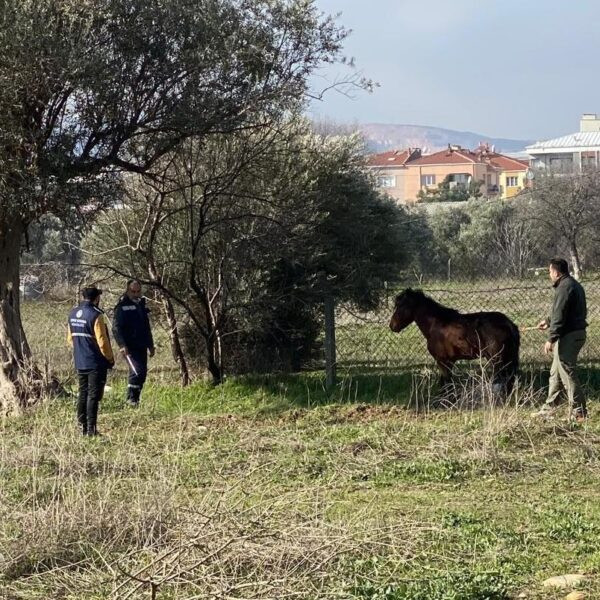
91,429
578,415
133,402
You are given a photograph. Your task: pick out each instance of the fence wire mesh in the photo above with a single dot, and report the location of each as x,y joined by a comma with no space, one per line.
365,341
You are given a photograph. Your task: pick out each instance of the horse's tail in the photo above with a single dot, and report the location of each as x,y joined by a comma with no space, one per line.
510,357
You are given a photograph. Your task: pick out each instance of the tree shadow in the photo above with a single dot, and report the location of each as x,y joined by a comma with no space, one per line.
308,390
415,389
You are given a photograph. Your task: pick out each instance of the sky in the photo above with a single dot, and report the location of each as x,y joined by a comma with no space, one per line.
524,69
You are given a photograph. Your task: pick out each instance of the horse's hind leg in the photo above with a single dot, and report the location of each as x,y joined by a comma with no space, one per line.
445,372
505,365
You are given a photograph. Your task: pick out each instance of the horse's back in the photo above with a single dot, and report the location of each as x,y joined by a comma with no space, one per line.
495,332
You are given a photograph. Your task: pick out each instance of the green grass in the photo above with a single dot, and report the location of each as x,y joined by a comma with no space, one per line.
347,495
275,487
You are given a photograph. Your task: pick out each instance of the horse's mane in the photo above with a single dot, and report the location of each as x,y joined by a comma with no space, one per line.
444,313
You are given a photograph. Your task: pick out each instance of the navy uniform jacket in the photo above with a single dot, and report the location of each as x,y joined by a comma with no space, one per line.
88,336
131,325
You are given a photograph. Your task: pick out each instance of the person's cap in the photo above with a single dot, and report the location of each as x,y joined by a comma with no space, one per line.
91,292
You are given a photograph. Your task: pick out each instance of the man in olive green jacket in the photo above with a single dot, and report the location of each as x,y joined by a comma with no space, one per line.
566,336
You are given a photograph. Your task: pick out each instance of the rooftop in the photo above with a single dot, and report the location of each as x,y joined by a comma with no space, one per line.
393,158
574,141
453,155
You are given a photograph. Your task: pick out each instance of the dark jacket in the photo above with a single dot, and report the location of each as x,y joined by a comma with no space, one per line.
131,325
88,335
569,310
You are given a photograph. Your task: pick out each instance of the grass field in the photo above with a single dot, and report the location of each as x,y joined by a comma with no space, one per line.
272,487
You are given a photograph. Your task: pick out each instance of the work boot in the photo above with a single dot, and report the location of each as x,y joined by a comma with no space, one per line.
133,398
92,430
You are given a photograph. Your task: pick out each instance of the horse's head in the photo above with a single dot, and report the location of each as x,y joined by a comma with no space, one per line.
404,310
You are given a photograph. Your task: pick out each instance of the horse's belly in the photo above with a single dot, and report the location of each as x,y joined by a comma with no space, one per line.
456,349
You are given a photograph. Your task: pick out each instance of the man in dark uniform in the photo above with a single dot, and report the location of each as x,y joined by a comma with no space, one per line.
131,328
88,336
566,336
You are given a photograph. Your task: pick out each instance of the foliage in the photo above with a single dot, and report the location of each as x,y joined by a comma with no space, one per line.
249,234
448,191
566,209
50,239
481,238
455,586
97,86
95,89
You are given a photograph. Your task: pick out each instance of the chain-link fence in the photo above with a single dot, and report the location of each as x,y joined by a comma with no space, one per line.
365,341
50,279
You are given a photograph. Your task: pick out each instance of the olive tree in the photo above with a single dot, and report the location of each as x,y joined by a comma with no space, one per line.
566,209
95,88
246,235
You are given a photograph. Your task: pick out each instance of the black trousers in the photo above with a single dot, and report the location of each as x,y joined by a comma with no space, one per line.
91,389
137,360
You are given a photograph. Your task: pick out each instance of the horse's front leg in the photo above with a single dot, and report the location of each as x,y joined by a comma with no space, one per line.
446,392
445,372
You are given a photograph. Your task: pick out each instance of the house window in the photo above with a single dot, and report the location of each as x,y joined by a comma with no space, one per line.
561,164
427,180
588,162
512,181
386,181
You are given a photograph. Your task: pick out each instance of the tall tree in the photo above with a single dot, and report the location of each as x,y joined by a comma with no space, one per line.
247,234
567,208
92,88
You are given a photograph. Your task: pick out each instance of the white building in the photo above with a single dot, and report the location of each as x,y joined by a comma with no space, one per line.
575,151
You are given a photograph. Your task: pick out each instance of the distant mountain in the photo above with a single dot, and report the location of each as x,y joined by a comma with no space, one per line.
384,136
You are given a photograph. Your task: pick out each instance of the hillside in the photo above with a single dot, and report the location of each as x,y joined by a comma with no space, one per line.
384,136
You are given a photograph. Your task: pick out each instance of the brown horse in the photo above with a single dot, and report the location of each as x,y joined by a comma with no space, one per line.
453,336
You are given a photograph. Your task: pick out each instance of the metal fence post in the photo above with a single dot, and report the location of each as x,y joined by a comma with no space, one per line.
330,360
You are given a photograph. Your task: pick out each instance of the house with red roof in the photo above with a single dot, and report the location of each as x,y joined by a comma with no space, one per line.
512,173
390,170
458,166
403,174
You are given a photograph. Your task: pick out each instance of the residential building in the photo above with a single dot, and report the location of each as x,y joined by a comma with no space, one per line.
457,165
403,174
511,172
390,171
573,152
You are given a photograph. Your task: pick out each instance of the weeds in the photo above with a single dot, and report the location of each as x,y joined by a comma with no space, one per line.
275,488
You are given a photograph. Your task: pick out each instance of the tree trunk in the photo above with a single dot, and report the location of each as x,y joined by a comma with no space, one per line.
20,382
214,362
176,349
577,270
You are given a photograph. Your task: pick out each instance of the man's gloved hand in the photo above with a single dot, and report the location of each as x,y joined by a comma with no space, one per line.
151,351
